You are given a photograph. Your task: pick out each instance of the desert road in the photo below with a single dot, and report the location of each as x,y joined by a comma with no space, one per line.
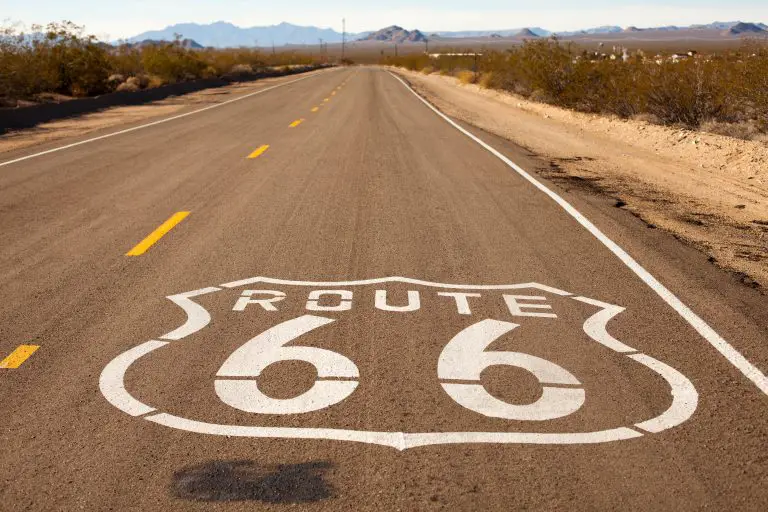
327,295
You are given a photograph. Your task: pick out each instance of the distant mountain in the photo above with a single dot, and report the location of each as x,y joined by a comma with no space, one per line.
225,35
608,29
745,28
395,34
490,33
526,32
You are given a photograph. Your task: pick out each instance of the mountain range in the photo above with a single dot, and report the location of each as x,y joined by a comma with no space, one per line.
224,34
395,34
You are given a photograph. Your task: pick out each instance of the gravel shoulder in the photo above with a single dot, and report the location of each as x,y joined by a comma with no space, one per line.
708,190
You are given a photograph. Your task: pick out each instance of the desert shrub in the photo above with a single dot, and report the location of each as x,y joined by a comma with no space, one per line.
172,62
729,89
751,89
241,69
466,77
686,93
62,59
58,58
486,80
428,70
747,130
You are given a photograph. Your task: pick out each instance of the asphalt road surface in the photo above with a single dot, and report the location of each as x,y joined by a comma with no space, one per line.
326,295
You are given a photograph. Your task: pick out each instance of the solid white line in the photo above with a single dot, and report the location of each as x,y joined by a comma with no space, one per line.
155,123
708,333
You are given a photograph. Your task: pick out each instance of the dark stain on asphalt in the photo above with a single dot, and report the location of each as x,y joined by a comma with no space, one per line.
244,480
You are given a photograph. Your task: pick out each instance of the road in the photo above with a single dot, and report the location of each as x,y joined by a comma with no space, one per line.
386,316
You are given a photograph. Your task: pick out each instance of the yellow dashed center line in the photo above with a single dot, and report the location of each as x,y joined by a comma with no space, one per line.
315,109
18,356
157,234
259,151
326,100
296,123
333,93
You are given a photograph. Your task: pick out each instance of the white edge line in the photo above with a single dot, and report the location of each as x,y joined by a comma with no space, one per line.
155,123
708,333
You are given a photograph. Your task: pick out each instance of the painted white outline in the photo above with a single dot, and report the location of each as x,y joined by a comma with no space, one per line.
155,123
684,395
727,350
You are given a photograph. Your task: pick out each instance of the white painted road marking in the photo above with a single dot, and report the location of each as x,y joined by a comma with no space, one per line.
708,333
465,357
563,392
268,348
155,123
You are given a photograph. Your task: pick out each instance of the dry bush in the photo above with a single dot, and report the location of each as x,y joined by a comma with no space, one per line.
466,77
61,59
241,69
729,89
427,70
57,59
486,80
747,130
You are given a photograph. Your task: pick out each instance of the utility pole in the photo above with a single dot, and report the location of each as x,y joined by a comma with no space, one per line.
426,43
343,38
395,49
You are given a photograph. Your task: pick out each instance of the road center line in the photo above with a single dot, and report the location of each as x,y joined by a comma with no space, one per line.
260,151
157,234
315,109
18,356
155,123
708,333
296,123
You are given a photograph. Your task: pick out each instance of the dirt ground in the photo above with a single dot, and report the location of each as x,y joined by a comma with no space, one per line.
709,190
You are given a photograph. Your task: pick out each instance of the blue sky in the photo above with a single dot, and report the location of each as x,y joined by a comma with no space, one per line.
112,20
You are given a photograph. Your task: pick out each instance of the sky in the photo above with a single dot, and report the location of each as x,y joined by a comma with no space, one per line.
112,20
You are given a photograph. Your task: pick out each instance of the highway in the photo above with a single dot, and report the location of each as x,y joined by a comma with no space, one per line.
327,295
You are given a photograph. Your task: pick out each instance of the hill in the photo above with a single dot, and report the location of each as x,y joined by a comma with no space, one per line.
396,34
490,33
745,28
526,33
